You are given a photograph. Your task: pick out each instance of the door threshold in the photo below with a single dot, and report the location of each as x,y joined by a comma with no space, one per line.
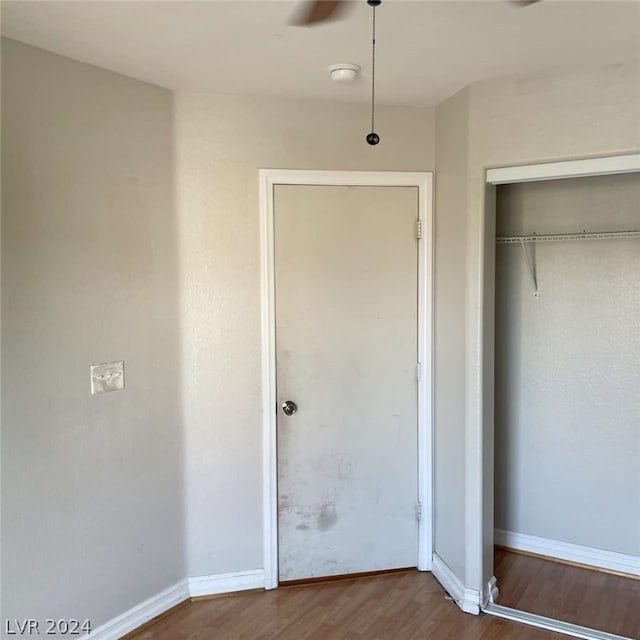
551,624
344,576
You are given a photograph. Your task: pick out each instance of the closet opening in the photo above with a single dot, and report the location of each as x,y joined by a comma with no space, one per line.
563,295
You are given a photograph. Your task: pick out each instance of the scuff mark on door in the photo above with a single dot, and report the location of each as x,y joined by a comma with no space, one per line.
327,517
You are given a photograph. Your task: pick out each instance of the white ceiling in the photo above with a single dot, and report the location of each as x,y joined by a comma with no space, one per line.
426,51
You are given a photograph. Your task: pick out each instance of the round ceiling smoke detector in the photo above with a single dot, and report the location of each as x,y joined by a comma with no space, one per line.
344,72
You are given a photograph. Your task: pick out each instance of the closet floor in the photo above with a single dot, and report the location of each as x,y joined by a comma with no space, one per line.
582,596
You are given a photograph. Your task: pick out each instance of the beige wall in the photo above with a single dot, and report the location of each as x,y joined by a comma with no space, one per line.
567,378
536,119
222,142
517,121
92,511
116,245
452,141
103,259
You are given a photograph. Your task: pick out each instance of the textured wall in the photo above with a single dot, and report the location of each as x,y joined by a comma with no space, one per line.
450,246
222,142
91,485
510,121
88,182
589,112
568,365
103,260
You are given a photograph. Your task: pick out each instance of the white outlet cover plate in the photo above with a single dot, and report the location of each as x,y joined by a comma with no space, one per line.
108,376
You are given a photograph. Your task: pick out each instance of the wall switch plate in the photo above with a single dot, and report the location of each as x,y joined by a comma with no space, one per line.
107,377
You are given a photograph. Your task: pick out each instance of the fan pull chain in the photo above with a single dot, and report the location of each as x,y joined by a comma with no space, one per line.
373,72
373,138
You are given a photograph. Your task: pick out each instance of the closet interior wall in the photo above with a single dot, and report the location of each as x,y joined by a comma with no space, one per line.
567,368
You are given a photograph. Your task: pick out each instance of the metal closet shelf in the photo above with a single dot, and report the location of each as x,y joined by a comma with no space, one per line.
562,237
558,237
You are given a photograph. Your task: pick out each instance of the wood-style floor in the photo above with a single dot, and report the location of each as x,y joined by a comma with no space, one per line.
582,596
397,606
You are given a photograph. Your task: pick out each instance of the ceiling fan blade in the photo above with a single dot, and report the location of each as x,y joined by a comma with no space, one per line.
315,11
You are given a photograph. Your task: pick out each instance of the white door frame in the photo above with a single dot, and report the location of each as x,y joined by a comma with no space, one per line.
605,165
269,178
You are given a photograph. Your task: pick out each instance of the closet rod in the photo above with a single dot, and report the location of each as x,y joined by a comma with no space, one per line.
560,237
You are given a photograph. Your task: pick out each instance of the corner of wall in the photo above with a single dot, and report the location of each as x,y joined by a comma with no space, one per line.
450,243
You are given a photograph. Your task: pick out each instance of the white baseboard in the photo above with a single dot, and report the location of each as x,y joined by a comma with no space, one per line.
189,588
226,583
141,613
591,556
467,599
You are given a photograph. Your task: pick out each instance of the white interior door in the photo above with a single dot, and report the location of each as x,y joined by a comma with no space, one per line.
346,278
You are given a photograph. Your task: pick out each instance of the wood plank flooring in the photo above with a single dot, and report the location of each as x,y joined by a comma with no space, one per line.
582,596
398,606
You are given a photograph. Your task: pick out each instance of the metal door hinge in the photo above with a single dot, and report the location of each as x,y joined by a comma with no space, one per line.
419,371
419,229
419,510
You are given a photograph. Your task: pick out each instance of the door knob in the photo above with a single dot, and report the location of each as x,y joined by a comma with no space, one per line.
289,407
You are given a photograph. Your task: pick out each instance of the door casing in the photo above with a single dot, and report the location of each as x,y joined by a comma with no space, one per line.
424,183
